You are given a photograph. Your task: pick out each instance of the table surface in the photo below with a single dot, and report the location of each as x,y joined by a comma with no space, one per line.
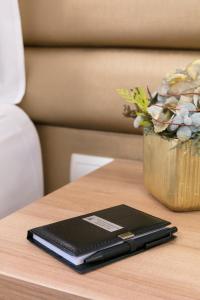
170,271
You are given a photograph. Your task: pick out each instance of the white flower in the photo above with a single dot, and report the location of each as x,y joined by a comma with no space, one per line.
184,133
196,119
188,106
161,99
173,78
172,101
186,109
175,123
137,121
163,89
155,111
183,112
193,69
185,99
187,120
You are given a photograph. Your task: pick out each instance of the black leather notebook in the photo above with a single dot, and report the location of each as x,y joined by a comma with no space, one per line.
93,240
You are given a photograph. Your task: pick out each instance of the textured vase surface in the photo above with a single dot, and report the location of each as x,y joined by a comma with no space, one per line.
172,174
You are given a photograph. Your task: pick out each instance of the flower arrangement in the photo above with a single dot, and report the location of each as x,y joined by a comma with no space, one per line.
173,111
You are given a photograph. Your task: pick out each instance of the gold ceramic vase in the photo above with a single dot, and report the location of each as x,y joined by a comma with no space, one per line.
171,173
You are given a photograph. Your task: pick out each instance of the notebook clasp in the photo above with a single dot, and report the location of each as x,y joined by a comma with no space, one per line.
126,235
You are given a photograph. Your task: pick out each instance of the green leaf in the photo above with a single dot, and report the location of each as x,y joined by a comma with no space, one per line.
140,114
141,99
145,123
137,96
126,94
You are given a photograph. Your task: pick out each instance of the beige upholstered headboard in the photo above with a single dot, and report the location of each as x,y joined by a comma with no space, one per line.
79,51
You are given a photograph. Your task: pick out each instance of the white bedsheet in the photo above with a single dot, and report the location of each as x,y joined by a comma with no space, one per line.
21,176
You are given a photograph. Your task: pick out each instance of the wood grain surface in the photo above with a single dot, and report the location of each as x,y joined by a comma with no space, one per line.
170,271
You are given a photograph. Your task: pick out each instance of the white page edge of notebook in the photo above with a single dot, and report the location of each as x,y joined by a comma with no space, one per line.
78,260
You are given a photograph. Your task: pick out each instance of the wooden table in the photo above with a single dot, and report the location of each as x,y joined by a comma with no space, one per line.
170,271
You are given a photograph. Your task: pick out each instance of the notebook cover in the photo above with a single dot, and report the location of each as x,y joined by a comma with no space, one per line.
77,236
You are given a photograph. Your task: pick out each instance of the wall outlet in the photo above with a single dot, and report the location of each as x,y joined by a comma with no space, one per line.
81,164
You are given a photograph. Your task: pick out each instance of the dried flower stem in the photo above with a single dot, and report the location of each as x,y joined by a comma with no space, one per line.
177,95
175,108
169,123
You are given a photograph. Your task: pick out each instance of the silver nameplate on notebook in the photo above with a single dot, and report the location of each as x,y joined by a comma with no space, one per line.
102,223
